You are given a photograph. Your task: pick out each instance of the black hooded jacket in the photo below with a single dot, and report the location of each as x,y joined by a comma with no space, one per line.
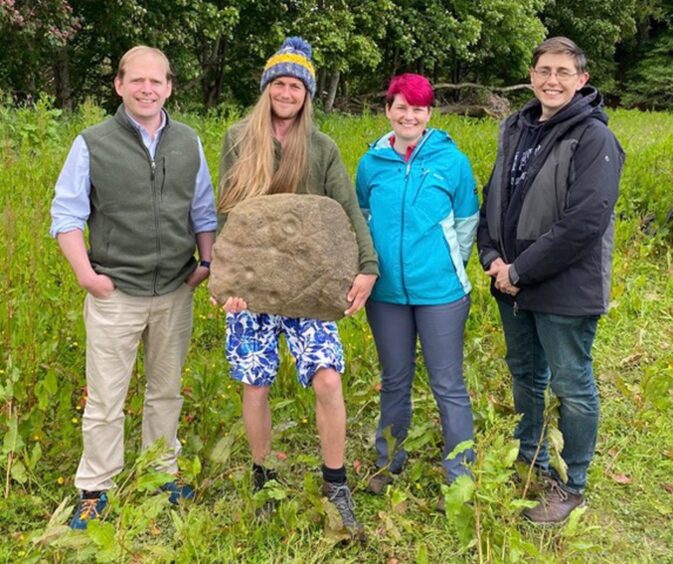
556,225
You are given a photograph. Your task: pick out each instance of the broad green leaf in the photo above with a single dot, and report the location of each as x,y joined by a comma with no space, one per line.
570,528
222,449
19,472
196,466
35,456
12,441
152,480
458,493
460,448
334,526
103,534
556,446
51,383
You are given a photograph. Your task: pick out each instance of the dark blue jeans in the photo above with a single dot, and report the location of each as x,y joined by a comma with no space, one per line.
553,350
395,329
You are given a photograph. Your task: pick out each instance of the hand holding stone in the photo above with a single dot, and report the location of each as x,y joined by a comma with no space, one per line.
234,305
289,254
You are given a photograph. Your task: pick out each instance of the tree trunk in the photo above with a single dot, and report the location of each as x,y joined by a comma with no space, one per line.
331,95
322,77
213,73
62,79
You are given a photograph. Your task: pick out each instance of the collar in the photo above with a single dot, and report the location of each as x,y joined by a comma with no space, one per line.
410,148
143,132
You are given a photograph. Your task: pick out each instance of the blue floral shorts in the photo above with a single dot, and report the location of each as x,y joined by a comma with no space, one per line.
252,346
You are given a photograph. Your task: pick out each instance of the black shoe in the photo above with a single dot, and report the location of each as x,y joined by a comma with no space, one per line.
339,495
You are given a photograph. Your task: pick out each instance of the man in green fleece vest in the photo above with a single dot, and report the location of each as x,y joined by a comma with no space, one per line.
141,183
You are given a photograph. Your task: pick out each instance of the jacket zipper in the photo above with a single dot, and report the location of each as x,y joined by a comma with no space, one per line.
415,152
153,170
404,198
153,167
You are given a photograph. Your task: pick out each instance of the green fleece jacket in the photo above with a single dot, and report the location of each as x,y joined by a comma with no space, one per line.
327,177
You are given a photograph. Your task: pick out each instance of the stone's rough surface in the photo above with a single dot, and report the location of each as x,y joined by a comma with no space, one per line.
287,254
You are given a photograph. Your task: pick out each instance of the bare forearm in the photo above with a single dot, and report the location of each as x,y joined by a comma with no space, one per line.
74,249
204,243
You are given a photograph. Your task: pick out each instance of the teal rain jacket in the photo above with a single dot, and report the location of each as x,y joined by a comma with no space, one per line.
422,215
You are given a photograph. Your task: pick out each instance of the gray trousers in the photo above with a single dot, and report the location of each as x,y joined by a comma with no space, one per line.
441,329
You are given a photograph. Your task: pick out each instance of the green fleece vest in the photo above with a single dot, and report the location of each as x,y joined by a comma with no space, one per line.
140,230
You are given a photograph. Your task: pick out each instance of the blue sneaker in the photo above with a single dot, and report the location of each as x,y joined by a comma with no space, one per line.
178,491
88,508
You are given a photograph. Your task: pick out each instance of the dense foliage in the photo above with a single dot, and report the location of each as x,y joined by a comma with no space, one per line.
70,48
42,395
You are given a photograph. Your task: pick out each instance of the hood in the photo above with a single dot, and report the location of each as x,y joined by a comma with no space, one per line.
587,102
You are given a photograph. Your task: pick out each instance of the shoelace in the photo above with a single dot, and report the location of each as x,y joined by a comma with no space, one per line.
343,491
556,489
89,508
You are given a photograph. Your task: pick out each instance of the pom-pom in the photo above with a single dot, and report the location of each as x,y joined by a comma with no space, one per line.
297,44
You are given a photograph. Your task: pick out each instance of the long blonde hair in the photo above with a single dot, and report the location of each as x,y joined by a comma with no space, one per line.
253,172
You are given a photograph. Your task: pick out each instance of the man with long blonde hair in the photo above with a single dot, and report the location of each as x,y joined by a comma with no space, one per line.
276,149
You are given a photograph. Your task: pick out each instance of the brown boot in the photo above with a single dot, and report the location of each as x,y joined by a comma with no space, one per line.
555,505
378,482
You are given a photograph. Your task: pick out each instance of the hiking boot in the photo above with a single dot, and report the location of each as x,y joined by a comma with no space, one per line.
555,505
339,495
378,483
90,506
179,491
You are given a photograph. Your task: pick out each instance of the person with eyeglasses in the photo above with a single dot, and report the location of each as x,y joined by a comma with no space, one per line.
545,238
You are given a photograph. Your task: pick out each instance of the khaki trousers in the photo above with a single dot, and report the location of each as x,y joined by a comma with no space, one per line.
114,328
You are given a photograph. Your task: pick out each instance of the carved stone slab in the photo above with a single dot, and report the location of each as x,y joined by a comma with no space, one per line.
287,254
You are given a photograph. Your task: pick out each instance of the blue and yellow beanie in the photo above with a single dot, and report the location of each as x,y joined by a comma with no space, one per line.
292,59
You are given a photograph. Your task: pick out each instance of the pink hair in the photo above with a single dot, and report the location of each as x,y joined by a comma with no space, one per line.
415,88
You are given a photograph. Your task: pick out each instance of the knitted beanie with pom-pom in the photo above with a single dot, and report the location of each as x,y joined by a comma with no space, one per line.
292,59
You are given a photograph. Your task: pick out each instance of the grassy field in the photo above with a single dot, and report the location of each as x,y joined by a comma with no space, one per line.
630,513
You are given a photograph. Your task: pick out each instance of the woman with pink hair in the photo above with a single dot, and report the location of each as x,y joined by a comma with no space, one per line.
418,192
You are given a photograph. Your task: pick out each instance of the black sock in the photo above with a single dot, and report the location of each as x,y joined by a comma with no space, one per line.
334,475
262,475
93,494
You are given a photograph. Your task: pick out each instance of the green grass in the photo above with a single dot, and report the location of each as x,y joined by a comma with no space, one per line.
41,397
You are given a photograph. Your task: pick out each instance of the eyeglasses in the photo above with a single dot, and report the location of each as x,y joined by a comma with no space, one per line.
561,74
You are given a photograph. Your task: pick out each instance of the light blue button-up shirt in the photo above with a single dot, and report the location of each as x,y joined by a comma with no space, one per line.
71,206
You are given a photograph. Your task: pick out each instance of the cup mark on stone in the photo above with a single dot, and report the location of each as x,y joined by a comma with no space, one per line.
290,225
273,297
